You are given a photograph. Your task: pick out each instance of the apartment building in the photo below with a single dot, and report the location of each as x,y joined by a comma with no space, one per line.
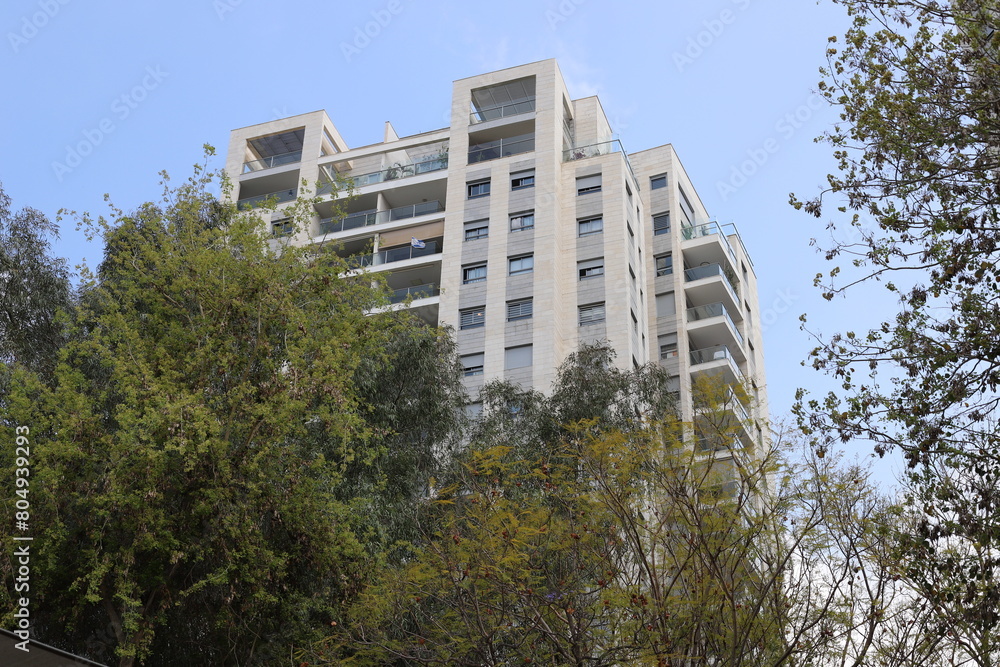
526,227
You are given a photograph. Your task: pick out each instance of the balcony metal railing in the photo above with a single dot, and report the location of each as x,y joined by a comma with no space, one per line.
710,271
278,197
503,111
593,150
394,255
493,150
714,310
392,173
368,218
417,292
272,161
710,229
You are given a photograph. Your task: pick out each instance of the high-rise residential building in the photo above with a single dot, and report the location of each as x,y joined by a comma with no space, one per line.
526,227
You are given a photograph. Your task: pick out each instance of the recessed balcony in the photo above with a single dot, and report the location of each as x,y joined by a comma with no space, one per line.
498,148
370,218
502,100
279,197
393,173
425,249
272,161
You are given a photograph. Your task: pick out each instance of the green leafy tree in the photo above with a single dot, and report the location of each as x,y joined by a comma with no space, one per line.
916,197
644,541
192,447
34,286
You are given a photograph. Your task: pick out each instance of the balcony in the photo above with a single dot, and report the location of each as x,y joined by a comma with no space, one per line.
393,255
272,161
716,360
493,150
712,283
711,324
595,150
369,218
711,230
417,292
393,173
279,197
502,111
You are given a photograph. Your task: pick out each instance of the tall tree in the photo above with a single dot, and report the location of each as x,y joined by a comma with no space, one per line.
34,286
190,449
917,84
918,147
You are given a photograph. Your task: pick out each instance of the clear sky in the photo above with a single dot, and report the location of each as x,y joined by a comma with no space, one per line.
101,96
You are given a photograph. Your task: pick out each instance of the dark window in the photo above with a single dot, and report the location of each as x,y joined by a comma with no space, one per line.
478,189
479,229
661,224
657,182
473,274
521,181
664,265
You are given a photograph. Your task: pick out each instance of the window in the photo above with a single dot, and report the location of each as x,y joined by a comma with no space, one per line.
628,191
591,268
657,182
590,226
470,318
517,357
587,184
281,228
591,314
635,322
668,346
521,309
666,305
521,265
478,229
522,180
522,222
661,224
478,189
664,265
472,364
474,273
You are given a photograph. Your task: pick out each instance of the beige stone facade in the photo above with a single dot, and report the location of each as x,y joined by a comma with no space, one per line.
539,233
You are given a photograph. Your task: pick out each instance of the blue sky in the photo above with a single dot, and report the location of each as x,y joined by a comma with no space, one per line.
102,96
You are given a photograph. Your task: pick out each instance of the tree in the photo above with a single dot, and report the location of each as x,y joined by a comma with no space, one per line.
190,448
34,286
918,150
631,543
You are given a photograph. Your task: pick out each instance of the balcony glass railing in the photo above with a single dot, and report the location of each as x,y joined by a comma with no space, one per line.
272,161
709,229
417,292
715,353
394,255
593,150
714,310
368,218
392,173
493,150
503,111
710,271
278,197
